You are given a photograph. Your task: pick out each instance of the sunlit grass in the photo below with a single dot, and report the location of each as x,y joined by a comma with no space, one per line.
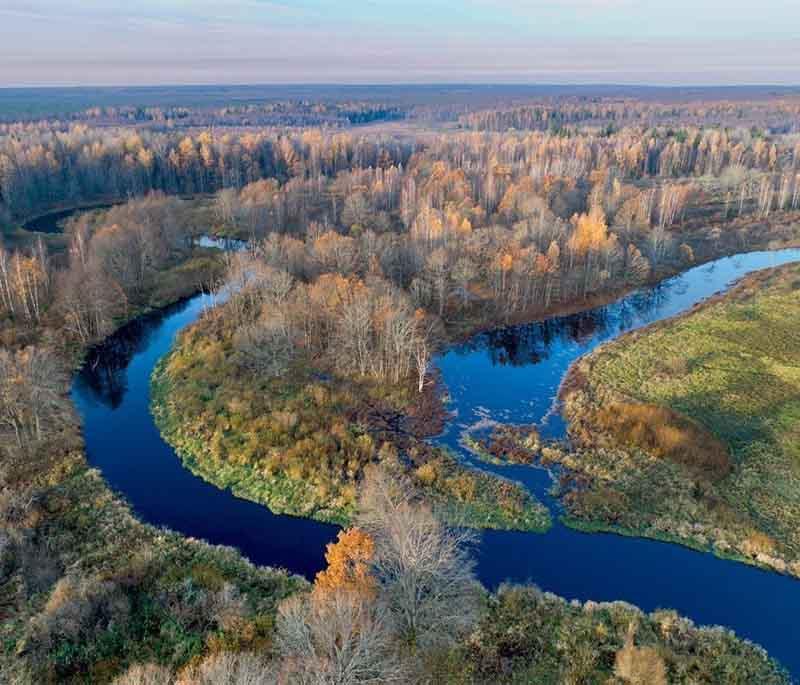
730,368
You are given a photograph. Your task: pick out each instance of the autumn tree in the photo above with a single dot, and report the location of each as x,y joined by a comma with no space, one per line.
422,567
637,267
348,568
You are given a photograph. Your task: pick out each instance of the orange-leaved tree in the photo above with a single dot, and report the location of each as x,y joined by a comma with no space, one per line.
348,565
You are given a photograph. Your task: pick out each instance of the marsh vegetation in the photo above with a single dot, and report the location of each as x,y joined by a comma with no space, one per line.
689,429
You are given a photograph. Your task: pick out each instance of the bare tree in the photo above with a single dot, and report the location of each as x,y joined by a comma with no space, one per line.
438,269
423,345
30,382
423,567
90,301
463,273
229,668
25,282
265,345
341,637
227,206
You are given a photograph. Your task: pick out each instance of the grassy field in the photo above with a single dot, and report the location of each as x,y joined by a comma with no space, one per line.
690,429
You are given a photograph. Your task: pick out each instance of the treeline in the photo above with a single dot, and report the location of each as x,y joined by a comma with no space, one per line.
555,114
447,270
294,113
485,230
43,167
476,181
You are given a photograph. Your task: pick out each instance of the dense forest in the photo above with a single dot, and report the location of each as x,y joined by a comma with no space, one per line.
775,116
368,251
46,164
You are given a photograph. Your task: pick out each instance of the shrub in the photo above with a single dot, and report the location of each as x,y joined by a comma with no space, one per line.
666,434
145,674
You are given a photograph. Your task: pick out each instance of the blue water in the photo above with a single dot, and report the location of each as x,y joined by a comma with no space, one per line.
112,394
510,375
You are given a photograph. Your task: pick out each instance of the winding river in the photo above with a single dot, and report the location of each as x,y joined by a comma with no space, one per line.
53,222
509,375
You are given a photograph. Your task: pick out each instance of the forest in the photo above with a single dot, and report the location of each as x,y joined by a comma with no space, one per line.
46,164
376,233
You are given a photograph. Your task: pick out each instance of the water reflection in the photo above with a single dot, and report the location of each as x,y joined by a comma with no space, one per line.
227,244
104,376
54,221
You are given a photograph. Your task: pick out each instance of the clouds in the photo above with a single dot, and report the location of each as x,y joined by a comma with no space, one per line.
205,41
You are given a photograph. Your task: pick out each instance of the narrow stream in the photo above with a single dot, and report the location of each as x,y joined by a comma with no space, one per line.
509,375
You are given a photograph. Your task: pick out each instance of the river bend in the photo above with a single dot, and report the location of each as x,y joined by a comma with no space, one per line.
510,375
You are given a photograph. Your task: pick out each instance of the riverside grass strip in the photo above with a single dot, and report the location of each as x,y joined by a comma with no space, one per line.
731,370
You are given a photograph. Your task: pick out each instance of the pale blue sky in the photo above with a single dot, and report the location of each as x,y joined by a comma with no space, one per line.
79,42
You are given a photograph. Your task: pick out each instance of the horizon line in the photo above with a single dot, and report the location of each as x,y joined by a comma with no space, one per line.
401,84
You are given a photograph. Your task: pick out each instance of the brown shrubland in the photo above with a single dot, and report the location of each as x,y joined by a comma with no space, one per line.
666,434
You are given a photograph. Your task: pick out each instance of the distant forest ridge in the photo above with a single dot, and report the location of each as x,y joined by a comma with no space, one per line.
36,103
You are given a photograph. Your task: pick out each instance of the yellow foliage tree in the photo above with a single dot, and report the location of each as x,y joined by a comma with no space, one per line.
348,565
591,232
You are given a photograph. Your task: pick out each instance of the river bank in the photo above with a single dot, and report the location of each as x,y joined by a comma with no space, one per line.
726,365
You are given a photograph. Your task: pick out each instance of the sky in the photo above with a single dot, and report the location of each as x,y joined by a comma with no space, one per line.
149,42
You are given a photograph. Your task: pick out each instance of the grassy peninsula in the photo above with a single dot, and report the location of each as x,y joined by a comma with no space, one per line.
298,443
689,430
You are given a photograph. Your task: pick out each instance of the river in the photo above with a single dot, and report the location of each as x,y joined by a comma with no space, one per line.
53,222
510,375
